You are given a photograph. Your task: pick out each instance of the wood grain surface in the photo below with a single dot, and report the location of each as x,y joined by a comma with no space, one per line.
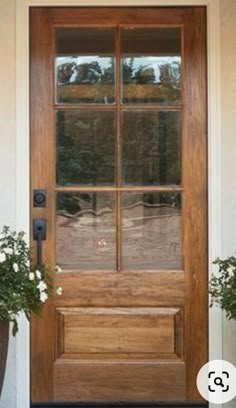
163,288
118,330
133,331
195,197
80,381
42,176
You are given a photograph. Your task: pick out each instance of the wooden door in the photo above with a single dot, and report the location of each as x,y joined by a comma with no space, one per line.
118,141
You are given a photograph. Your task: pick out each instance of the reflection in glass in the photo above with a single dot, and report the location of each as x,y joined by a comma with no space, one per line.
151,65
151,149
85,65
151,231
85,231
85,147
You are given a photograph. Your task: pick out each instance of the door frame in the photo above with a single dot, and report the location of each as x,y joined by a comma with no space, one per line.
23,153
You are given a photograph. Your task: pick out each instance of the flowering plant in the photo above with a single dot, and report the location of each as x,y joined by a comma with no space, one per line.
22,287
223,286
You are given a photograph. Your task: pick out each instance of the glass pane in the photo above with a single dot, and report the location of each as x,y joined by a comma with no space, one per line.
151,231
85,65
151,65
86,234
85,147
151,147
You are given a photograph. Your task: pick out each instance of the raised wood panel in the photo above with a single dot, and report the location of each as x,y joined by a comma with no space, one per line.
110,289
118,330
81,381
179,334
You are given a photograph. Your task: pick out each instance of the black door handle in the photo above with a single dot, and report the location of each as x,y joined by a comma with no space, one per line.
40,234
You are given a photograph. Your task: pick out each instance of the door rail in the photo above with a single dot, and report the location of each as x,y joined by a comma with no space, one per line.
188,404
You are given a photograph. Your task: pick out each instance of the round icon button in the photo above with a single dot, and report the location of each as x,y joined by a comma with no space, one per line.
216,381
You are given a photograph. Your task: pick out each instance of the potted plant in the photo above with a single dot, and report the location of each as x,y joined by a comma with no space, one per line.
23,288
223,286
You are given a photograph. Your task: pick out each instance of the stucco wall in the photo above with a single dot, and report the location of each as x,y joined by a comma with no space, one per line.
228,89
8,150
8,158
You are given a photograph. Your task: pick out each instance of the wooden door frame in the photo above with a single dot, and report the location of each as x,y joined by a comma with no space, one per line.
22,153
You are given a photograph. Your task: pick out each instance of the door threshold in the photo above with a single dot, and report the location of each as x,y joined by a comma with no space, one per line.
119,404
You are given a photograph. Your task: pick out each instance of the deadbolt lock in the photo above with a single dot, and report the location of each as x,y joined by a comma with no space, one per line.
40,198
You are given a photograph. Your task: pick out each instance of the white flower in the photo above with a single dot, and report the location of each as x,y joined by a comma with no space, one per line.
231,270
38,274
27,263
59,291
15,267
42,286
2,257
31,276
8,251
43,297
58,269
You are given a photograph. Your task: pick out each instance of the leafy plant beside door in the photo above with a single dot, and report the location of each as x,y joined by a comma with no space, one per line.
223,286
23,288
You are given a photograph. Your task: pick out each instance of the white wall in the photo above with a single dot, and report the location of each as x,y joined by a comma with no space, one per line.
228,90
8,158
8,154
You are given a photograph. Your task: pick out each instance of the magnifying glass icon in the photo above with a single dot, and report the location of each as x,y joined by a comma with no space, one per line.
219,381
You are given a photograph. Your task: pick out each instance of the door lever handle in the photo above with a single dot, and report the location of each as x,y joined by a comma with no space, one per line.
40,234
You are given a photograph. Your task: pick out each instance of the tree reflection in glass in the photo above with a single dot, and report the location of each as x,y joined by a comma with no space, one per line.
87,70
151,65
151,147
85,147
85,65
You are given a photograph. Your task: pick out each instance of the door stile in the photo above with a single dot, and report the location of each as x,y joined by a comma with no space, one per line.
42,176
195,198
